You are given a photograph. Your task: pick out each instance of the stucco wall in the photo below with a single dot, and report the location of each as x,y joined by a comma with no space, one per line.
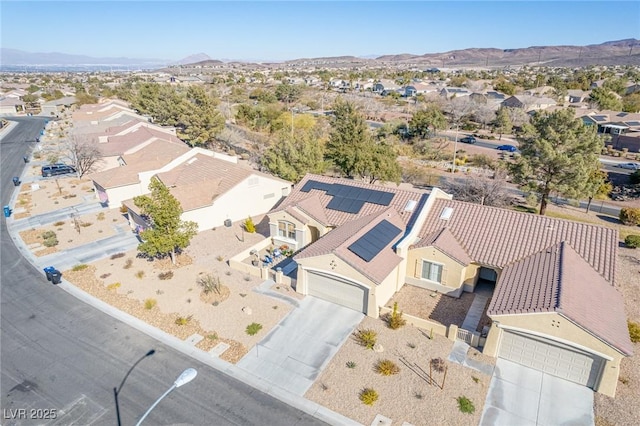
554,326
238,203
119,194
453,273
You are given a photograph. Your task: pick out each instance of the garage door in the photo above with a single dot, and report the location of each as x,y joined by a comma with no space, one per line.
337,290
551,357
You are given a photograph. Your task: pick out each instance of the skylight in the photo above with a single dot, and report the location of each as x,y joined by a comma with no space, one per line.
410,206
446,213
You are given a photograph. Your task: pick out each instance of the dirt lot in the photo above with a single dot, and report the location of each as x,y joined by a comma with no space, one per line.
51,194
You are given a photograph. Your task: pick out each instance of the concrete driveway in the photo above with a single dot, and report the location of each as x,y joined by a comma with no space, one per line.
294,353
523,396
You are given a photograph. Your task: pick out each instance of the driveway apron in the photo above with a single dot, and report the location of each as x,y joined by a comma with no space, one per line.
294,353
520,395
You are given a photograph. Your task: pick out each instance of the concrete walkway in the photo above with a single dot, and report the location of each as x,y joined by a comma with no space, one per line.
40,220
474,314
520,395
294,353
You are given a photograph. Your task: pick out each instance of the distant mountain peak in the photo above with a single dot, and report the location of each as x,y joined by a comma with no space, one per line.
192,59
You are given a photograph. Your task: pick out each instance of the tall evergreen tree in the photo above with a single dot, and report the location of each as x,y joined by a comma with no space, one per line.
558,154
168,231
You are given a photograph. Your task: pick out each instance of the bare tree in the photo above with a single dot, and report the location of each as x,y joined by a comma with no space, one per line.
482,189
84,154
458,109
484,114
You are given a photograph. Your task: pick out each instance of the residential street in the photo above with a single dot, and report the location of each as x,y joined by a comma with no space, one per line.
59,353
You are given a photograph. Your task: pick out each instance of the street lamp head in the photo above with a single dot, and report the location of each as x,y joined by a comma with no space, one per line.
187,375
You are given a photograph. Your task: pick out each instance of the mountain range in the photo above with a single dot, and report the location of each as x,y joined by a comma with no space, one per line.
620,52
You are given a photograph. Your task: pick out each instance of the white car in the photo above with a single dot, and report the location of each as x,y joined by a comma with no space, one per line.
630,166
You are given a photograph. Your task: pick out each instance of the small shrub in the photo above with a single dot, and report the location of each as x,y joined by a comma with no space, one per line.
159,292
632,241
86,224
113,286
247,278
634,331
48,234
386,367
50,242
630,216
623,380
213,336
209,284
351,364
123,209
249,226
189,300
227,273
103,276
150,303
411,345
58,223
117,256
243,295
368,396
475,379
418,395
275,306
183,320
140,275
163,276
465,405
220,258
253,328
128,264
80,267
394,319
215,303
634,177
100,216
366,337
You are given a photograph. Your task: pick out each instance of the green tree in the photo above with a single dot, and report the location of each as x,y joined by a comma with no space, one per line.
355,152
168,231
605,99
292,158
201,121
504,86
503,122
288,93
631,103
429,118
558,154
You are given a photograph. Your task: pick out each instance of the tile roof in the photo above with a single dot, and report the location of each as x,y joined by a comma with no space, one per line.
338,240
444,240
556,279
151,157
318,209
497,237
198,181
119,145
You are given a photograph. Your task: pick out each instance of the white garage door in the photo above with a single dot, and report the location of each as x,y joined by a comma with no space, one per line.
551,357
337,290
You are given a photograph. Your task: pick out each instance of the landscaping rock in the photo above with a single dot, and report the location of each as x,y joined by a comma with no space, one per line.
247,310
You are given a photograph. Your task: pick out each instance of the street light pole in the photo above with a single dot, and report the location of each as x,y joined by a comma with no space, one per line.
117,390
455,147
187,375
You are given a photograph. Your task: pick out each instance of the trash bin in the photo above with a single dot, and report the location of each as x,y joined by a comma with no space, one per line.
7,211
227,223
16,181
26,159
56,276
48,271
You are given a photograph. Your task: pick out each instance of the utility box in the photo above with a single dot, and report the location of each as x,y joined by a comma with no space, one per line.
227,223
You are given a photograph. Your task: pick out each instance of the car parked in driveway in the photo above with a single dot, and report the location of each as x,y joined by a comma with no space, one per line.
508,148
468,139
630,166
57,169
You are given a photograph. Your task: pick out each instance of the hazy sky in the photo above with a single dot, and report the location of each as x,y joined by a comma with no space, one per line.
268,30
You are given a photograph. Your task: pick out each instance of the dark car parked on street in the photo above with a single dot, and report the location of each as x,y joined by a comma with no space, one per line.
509,148
57,169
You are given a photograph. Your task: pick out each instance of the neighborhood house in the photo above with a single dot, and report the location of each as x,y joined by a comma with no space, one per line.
553,304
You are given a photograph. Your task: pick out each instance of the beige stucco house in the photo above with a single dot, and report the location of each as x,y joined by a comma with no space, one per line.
553,305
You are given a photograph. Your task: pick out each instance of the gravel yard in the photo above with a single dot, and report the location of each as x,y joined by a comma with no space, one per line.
427,304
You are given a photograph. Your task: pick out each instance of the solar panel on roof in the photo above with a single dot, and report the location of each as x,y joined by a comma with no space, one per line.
600,117
370,244
314,184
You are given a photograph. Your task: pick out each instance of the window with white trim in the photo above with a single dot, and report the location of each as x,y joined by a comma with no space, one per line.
287,230
432,271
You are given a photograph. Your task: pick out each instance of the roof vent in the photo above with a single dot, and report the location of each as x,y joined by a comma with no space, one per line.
446,213
410,206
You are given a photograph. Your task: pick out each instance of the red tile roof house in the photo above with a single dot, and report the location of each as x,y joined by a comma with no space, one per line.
554,306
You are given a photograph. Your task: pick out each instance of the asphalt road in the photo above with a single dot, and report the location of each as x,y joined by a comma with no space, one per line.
58,353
